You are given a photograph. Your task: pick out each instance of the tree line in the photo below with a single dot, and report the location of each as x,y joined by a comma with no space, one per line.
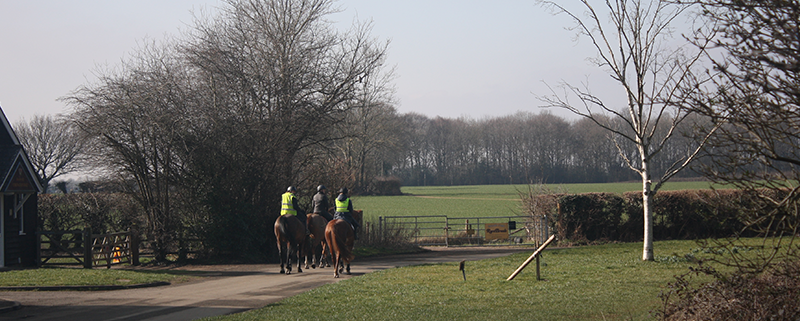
522,148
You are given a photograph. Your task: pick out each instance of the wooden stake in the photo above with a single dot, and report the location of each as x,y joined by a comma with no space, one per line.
533,256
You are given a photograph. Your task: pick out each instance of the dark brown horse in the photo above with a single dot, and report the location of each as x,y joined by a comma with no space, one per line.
315,255
291,238
339,235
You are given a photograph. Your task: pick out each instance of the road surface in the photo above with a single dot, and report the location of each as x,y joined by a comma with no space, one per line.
223,289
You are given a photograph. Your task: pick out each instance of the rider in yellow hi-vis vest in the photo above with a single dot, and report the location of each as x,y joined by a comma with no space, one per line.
289,207
344,211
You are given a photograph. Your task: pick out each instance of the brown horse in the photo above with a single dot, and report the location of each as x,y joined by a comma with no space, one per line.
339,235
318,245
291,237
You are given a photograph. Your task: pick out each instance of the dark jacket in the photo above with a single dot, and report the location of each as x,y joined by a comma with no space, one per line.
320,205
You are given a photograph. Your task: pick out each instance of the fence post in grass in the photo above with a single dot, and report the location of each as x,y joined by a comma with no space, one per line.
538,275
446,233
134,246
533,256
87,248
38,249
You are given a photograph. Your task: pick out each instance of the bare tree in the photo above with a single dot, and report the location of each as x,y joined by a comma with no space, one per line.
53,145
632,47
755,96
136,116
223,119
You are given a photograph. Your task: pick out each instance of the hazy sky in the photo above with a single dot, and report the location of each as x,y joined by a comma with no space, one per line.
452,58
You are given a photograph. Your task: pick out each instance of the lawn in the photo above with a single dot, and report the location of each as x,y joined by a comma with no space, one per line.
481,200
604,282
84,277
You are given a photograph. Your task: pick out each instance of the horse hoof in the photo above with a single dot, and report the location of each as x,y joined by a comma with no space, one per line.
283,271
335,276
312,266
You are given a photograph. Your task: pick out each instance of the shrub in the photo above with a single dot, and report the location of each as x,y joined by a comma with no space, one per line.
685,214
385,186
740,296
589,217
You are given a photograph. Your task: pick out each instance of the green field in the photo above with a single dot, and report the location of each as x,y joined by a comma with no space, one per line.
481,200
605,282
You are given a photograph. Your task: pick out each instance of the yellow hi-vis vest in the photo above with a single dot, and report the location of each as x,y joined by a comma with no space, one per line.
342,206
286,204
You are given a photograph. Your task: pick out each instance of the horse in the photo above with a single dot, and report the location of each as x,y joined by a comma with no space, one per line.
339,235
318,246
291,237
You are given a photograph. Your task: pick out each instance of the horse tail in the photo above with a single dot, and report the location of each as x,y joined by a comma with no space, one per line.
344,250
283,226
341,242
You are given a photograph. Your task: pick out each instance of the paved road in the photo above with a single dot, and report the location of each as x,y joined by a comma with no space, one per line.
223,289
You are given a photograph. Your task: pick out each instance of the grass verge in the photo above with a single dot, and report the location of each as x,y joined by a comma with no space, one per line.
46,277
605,282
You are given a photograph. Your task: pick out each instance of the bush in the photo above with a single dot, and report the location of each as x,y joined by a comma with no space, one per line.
589,217
100,212
385,186
685,214
740,296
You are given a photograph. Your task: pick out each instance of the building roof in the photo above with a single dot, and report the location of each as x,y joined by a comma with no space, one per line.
16,171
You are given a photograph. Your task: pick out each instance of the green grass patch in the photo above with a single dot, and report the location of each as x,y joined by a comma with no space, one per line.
604,282
84,277
482,200
512,191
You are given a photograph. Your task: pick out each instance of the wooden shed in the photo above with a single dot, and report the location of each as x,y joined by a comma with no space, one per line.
18,206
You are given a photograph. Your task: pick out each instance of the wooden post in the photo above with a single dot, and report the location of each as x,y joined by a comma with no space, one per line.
134,246
533,256
538,275
38,249
87,248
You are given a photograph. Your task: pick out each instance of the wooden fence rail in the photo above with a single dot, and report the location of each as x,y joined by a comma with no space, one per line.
81,247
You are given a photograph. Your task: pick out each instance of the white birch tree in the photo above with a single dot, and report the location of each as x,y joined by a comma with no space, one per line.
632,42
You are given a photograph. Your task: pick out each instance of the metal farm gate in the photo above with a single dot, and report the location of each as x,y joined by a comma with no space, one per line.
445,231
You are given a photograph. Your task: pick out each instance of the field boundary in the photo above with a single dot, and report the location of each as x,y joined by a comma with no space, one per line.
441,230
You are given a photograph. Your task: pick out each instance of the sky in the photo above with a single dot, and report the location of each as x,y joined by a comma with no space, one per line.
452,59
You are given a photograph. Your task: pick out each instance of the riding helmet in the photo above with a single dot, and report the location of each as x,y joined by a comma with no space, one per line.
343,190
291,189
320,188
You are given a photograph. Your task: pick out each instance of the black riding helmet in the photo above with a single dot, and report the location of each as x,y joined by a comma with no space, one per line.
343,190
320,188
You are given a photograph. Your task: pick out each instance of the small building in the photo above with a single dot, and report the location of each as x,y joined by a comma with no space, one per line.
20,187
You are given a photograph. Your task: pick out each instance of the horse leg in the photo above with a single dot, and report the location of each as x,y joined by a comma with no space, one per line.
308,258
348,268
326,260
282,255
300,250
291,251
334,257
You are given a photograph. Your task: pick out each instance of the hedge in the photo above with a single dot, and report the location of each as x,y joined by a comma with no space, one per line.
685,214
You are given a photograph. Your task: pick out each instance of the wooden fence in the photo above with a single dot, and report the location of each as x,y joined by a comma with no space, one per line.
82,248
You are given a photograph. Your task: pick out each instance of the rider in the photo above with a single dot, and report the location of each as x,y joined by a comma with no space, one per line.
344,211
320,203
289,206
